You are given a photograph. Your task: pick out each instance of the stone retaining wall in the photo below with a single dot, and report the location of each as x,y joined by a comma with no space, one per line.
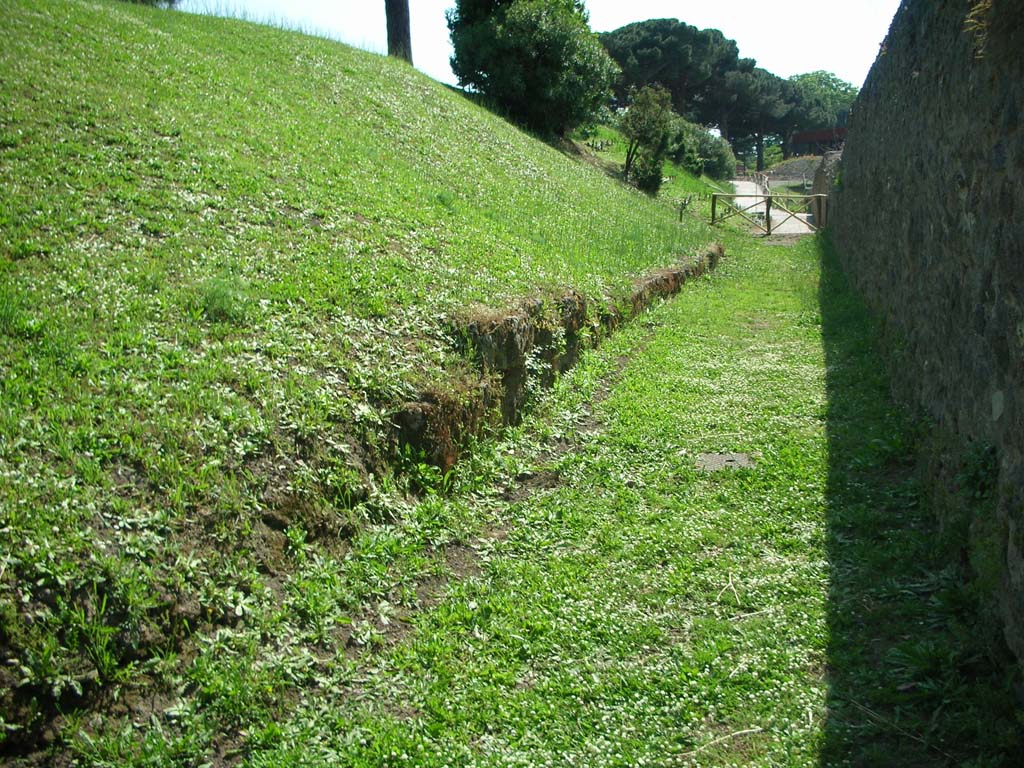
926,215
527,346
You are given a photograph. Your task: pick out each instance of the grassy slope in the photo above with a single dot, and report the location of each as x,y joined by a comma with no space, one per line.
224,251
617,607
680,185
206,287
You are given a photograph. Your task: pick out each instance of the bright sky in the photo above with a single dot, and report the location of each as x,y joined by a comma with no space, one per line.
787,37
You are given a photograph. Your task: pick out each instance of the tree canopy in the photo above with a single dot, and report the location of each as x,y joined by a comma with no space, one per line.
688,62
535,59
826,99
712,85
764,109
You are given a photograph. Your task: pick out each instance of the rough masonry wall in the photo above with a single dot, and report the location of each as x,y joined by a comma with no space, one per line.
927,217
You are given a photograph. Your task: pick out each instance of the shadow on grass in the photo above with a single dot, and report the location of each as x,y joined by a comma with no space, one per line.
909,681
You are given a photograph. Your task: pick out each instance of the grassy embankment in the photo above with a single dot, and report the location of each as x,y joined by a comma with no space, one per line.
794,176
610,155
623,608
613,605
226,252
227,249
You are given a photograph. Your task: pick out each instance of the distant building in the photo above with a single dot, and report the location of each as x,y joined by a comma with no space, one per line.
817,142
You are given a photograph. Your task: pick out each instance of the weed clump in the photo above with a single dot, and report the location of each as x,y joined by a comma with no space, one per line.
223,300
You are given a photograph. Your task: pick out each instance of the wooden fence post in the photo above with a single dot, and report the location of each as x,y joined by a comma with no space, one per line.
714,205
768,213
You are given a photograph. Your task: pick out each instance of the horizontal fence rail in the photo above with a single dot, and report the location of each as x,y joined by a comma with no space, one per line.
810,210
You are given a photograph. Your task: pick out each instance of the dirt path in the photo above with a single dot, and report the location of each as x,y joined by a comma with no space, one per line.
782,222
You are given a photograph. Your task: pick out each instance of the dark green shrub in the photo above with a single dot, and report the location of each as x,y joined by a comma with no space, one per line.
535,59
647,126
700,152
647,172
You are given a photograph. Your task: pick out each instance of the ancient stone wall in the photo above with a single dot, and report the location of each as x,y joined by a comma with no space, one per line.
927,216
521,348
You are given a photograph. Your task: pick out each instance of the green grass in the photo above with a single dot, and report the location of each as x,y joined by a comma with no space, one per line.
583,595
227,254
916,670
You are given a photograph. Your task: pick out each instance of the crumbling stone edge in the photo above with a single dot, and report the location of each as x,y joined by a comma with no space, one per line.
511,352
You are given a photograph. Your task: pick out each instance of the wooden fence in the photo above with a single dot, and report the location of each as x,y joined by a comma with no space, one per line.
811,210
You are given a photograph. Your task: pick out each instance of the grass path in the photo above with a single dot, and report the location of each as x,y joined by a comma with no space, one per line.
626,608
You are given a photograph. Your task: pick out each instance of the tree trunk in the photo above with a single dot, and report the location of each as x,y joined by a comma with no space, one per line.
631,150
399,34
760,151
723,126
